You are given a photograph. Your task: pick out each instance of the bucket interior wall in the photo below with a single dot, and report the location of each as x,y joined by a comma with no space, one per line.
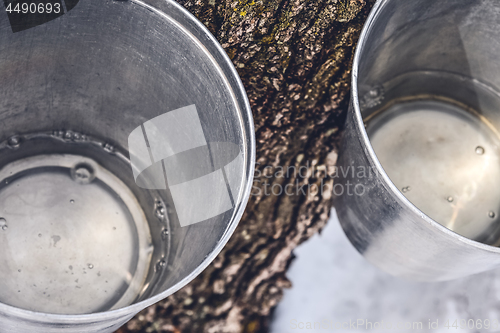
429,93
459,37
103,69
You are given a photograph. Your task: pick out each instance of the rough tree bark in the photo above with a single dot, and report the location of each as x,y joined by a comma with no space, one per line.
294,58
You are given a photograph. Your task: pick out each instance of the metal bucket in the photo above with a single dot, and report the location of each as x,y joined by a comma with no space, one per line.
127,151
421,149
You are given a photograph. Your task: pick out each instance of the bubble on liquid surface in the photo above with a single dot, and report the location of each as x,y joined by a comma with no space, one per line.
109,148
14,141
69,135
492,214
373,97
58,133
90,266
479,150
3,223
72,201
161,264
160,209
449,199
406,189
83,174
164,234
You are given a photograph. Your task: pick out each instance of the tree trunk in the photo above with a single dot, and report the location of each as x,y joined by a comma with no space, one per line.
294,58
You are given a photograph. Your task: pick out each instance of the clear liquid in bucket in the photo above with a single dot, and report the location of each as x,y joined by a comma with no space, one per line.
74,238
445,160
